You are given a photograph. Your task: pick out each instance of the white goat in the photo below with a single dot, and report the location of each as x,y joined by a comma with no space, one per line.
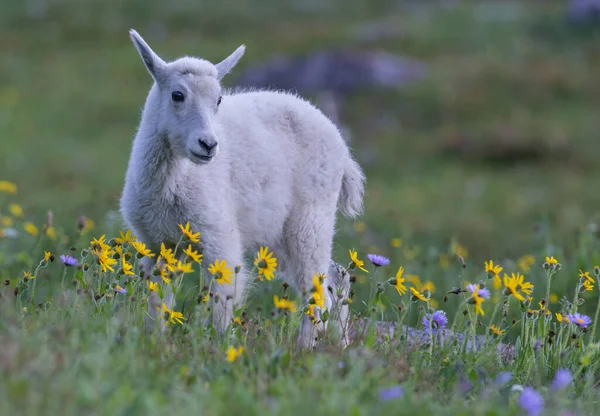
245,169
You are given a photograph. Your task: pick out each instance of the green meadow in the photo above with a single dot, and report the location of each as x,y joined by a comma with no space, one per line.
493,155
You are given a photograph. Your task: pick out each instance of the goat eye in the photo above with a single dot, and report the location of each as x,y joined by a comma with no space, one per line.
177,96
219,101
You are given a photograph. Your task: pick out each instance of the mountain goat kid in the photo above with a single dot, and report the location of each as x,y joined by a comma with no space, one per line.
245,169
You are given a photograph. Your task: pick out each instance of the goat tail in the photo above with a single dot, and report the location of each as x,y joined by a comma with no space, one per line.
353,189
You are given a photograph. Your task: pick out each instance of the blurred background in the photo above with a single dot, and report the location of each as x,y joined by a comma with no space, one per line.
477,122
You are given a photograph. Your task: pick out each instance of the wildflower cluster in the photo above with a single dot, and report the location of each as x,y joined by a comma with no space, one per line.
493,307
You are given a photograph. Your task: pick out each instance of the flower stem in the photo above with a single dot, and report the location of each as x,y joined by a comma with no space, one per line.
548,289
596,315
64,275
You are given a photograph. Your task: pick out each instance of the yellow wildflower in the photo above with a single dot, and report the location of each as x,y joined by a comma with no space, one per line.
494,330
492,269
127,268
153,286
171,316
183,267
356,262
51,233
586,276
551,261
191,236
414,279
266,263
6,221
553,298
459,250
237,320
221,271
544,309
106,262
396,242
588,286
98,245
561,318
103,253
164,273
141,249
30,229
88,225
16,210
399,281
47,256
497,282
167,255
28,276
310,311
9,187
515,285
234,353
193,254
284,304
318,293
477,300
418,295
125,238
428,286
525,263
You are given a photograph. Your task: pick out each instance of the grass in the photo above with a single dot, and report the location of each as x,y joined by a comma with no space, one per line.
501,75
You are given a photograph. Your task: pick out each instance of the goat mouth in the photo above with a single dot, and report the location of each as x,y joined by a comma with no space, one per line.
202,158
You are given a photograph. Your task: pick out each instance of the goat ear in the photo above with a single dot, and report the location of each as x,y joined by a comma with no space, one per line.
227,64
154,64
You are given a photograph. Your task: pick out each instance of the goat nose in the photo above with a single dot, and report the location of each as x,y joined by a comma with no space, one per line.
208,144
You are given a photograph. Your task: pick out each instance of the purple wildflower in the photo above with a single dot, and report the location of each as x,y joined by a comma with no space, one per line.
483,292
531,401
464,386
377,260
503,378
582,321
395,392
120,290
562,379
68,260
438,321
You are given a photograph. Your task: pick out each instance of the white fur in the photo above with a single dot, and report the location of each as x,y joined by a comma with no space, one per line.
277,175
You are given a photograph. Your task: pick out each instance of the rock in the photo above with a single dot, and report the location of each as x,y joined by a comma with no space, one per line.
410,338
338,71
583,11
414,338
